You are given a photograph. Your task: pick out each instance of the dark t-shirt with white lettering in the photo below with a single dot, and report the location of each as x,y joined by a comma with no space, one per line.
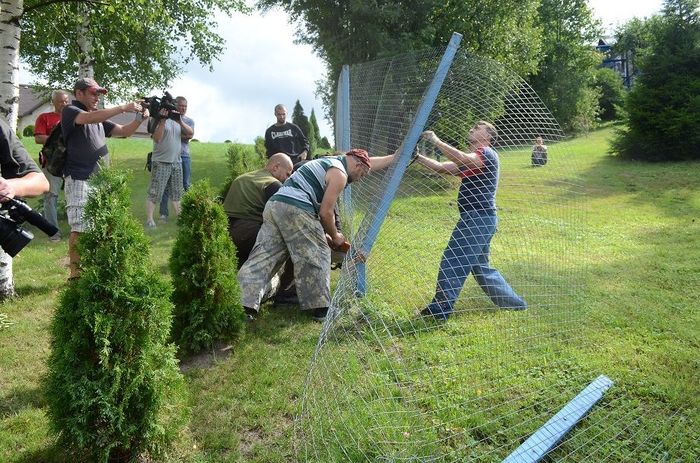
286,138
85,143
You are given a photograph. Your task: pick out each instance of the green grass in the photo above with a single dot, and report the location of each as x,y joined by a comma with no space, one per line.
639,276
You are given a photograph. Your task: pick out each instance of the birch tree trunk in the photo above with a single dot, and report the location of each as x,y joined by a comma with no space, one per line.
10,12
86,67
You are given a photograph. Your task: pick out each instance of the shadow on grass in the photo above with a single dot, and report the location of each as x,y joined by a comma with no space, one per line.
27,290
655,183
49,454
274,325
20,398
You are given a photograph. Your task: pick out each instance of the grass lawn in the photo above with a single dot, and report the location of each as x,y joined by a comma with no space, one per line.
633,282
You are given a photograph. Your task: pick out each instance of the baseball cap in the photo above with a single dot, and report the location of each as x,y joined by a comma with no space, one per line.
86,82
361,156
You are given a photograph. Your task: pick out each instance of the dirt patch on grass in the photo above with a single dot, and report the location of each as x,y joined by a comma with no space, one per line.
249,439
206,359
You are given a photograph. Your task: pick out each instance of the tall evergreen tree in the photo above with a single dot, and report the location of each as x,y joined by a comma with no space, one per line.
113,387
663,106
314,124
300,119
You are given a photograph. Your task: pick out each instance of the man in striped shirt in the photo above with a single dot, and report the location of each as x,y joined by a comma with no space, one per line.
299,223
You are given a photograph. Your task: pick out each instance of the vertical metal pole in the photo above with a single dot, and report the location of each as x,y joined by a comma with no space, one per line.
407,147
342,113
342,125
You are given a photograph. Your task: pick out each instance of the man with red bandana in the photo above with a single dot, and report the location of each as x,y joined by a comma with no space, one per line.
299,224
85,128
469,246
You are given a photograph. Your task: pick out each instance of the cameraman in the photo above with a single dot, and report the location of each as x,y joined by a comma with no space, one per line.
19,176
166,167
181,103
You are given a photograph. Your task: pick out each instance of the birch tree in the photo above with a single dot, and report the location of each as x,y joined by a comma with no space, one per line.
134,46
10,12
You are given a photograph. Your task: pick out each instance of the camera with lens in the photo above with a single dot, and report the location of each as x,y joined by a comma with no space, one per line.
13,238
155,104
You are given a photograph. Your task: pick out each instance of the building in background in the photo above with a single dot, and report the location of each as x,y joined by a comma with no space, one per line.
33,102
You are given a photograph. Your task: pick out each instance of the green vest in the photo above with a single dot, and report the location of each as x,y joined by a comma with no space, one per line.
246,196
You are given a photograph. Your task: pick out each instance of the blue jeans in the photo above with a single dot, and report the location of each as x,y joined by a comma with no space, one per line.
468,252
186,171
51,198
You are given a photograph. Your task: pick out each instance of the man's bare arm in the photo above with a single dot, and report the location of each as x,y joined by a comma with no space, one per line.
335,183
470,160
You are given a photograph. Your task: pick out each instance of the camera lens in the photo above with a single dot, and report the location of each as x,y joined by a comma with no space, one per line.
12,237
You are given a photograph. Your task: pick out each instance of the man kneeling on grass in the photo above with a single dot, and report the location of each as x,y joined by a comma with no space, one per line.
299,223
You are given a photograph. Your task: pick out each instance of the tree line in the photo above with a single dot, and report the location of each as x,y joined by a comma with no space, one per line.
548,42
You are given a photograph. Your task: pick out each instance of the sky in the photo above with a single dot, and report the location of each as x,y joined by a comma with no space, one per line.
262,66
616,12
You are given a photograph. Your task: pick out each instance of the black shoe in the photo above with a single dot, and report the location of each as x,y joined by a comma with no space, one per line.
250,313
286,298
320,314
437,316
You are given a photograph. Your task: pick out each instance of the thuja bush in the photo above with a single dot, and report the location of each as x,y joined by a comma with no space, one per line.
113,387
260,149
204,269
240,159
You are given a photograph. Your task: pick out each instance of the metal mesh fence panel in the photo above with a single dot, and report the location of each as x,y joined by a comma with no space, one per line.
387,384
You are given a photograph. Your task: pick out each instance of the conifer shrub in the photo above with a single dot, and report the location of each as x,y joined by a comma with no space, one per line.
113,387
203,265
240,159
260,148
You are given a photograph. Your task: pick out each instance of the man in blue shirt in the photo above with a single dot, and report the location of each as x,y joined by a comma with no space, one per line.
468,249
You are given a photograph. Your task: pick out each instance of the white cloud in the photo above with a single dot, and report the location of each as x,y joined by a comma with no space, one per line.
617,12
260,67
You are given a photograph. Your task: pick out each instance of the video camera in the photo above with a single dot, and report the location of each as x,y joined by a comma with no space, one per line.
13,238
155,104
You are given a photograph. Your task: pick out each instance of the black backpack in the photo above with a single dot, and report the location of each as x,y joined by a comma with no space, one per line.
53,154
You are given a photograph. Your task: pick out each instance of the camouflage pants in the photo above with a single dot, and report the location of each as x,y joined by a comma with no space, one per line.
288,232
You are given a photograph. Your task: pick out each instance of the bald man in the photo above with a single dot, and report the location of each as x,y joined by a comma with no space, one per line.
246,199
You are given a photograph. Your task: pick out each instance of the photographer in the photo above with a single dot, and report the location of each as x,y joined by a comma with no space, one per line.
166,165
19,176
85,128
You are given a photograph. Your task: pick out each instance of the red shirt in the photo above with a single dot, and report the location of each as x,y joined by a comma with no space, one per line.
46,122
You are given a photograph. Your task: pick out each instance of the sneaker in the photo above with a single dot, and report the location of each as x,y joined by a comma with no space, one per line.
320,314
150,224
163,218
55,238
